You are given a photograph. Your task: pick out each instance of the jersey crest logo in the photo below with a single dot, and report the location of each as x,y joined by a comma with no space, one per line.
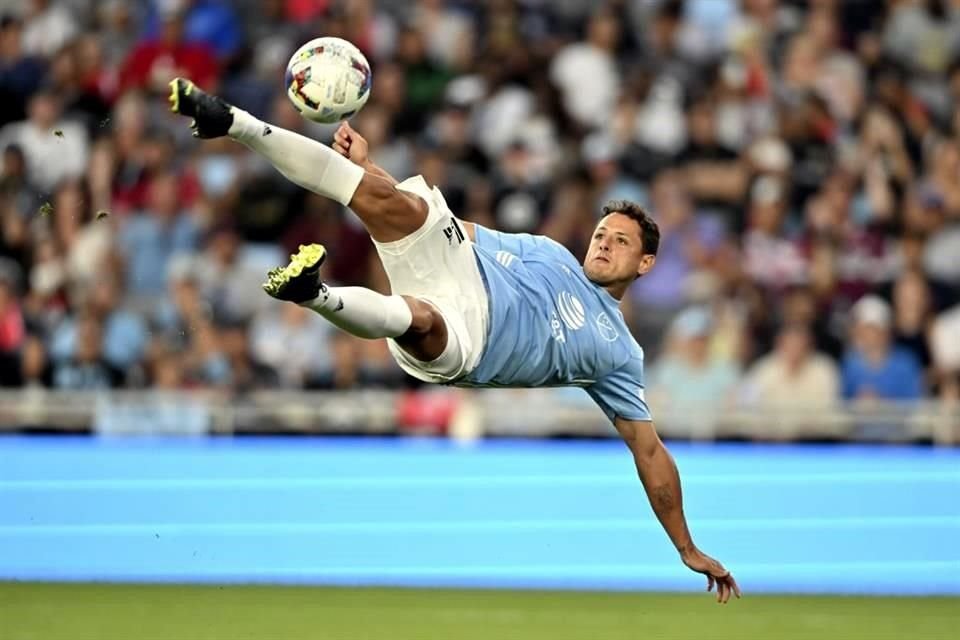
607,331
571,310
505,258
556,328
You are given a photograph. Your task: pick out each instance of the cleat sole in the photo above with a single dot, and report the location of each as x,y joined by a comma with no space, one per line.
308,257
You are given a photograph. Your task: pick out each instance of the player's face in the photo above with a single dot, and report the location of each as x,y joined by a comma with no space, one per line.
616,251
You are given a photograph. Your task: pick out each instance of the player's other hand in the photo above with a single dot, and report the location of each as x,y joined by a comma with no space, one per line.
716,574
350,144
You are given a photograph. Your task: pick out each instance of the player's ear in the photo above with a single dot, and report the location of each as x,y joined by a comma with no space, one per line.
646,263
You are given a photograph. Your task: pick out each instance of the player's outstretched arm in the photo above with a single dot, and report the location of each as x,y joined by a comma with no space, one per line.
354,147
659,475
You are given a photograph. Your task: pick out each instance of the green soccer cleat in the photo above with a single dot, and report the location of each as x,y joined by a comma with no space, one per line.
299,281
211,114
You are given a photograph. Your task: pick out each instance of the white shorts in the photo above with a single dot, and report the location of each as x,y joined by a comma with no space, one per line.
436,264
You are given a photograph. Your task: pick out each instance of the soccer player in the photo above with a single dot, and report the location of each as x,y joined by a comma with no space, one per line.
472,306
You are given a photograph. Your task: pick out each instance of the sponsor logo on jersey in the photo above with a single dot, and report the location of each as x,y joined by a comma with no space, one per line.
571,311
607,331
506,258
556,328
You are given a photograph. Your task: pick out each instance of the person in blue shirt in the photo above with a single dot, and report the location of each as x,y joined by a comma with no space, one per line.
873,366
472,306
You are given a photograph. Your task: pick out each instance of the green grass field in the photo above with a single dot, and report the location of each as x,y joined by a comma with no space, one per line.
31,611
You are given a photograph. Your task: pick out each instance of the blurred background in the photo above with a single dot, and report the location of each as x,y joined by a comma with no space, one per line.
802,158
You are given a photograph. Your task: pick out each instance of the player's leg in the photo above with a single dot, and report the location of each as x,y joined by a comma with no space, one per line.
416,325
387,213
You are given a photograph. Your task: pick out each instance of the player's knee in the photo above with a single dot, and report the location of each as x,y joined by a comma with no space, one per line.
424,317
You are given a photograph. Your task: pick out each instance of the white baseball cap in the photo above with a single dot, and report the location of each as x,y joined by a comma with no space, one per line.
871,309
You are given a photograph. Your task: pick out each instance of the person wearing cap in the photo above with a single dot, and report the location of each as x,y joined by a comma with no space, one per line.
873,368
689,384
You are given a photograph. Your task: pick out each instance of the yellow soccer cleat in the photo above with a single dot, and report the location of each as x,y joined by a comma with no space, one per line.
299,281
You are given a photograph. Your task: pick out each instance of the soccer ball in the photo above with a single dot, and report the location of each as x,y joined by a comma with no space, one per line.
328,80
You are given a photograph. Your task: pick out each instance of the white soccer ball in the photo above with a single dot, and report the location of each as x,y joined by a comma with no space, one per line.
328,80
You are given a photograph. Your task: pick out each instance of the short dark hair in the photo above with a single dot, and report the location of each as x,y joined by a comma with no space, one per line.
649,231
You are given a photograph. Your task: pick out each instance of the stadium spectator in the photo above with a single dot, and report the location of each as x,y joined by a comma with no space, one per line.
12,331
294,342
212,23
246,373
230,272
86,369
873,367
688,384
165,55
84,241
122,334
790,382
945,352
913,308
182,308
48,26
152,237
770,256
687,244
54,148
586,72
21,74
34,367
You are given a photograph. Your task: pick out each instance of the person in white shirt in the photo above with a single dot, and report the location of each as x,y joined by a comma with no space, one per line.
790,383
55,149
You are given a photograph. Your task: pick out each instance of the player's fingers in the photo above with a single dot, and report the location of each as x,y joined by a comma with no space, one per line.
709,583
735,586
339,148
721,592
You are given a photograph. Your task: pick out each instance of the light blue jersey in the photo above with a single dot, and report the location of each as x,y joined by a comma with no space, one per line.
550,326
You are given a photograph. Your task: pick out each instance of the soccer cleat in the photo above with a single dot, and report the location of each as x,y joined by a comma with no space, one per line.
299,281
211,114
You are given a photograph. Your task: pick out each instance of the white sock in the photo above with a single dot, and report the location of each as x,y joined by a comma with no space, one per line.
362,312
308,163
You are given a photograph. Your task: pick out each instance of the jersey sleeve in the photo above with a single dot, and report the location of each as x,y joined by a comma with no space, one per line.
522,245
621,393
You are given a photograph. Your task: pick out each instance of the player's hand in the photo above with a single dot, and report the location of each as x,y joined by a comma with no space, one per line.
716,574
350,144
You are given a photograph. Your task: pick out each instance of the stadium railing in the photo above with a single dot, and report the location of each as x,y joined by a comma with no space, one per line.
463,414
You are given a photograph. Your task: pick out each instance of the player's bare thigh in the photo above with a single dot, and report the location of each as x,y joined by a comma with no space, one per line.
387,213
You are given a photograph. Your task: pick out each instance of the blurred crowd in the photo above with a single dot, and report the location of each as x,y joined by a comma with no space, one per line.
801,157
